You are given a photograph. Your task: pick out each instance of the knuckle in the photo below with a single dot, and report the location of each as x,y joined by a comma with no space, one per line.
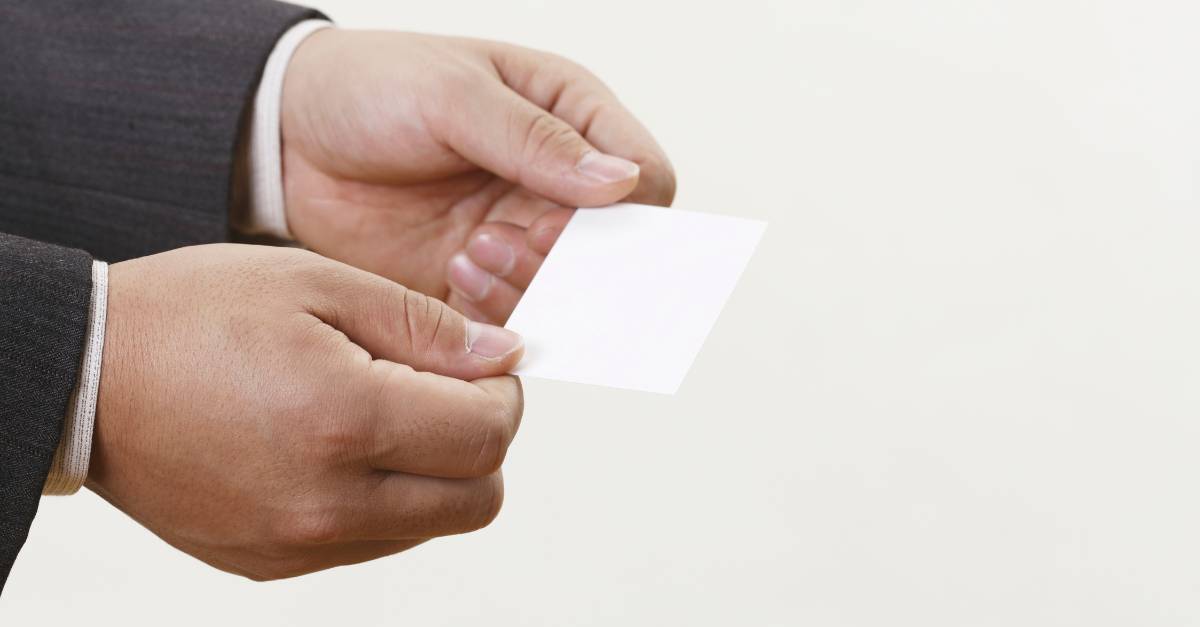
382,401
418,308
547,135
458,82
489,500
489,447
508,404
516,407
324,427
401,300
421,315
306,263
662,174
334,439
313,274
504,409
503,413
310,526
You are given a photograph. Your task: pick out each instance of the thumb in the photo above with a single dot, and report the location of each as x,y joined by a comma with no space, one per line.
400,325
503,132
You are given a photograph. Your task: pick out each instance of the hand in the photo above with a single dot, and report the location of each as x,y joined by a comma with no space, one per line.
274,413
399,150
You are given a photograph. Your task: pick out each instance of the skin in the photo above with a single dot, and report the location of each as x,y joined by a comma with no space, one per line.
286,413
274,412
449,164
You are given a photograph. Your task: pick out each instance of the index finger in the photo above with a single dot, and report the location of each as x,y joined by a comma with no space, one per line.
573,94
426,424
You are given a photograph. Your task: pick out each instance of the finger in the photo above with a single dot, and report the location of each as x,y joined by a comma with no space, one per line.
520,206
403,506
512,253
575,95
543,233
487,294
503,132
503,250
426,424
491,276
407,327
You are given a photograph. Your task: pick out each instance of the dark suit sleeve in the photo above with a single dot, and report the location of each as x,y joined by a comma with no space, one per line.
45,296
119,122
119,119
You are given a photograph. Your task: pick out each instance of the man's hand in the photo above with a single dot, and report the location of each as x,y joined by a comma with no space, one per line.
449,164
274,413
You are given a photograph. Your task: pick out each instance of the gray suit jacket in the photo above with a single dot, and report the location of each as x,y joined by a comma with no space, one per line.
119,121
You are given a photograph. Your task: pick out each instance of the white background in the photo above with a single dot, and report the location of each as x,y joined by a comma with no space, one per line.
958,385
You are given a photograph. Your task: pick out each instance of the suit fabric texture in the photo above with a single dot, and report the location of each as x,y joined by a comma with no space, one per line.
119,126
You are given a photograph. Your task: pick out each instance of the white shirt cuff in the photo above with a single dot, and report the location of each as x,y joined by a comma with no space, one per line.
265,213
69,470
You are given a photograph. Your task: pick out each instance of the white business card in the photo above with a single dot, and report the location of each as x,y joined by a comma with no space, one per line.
628,294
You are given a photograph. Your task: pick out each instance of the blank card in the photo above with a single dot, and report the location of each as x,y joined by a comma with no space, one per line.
628,294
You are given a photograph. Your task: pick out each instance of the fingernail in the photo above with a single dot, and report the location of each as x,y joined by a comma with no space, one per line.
491,342
468,279
606,168
492,253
